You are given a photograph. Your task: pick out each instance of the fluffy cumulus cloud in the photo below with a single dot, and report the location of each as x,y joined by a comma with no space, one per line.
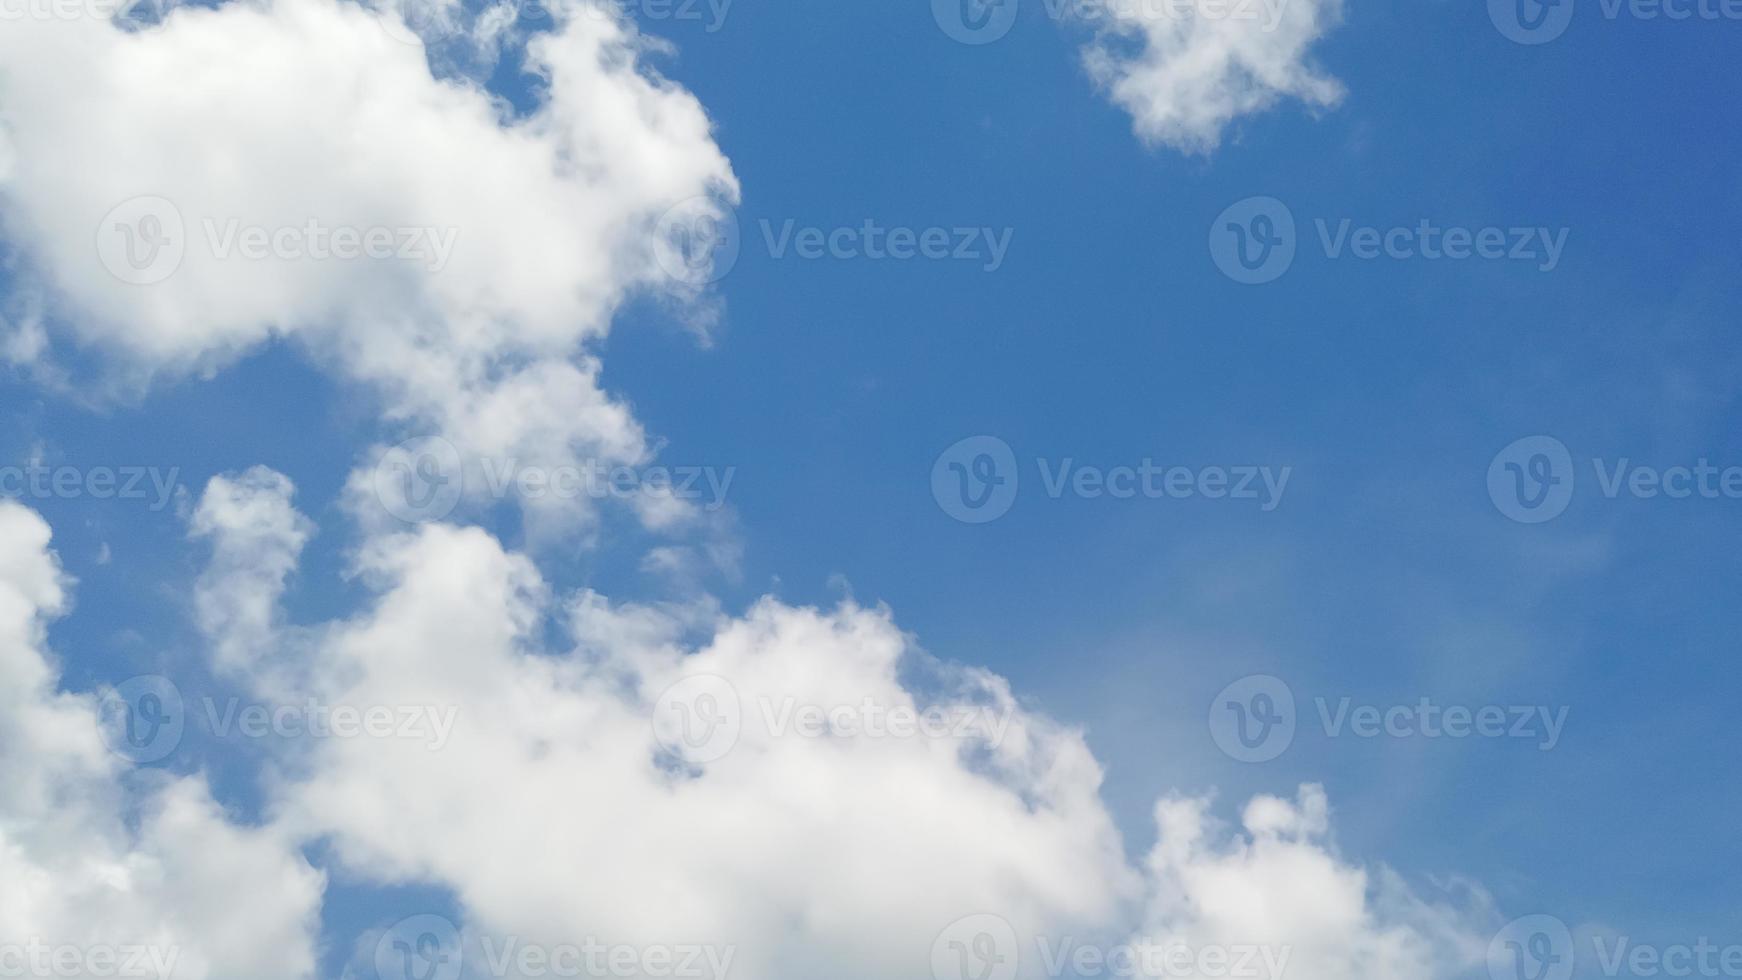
181,193
101,868
799,790
1186,69
257,538
1278,883
785,792
798,853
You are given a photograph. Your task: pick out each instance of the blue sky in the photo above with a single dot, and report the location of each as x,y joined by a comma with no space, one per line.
1387,385
1386,573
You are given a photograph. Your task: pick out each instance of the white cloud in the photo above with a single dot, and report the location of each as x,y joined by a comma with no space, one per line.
309,121
257,539
98,862
1187,70
555,812
1279,883
800,855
